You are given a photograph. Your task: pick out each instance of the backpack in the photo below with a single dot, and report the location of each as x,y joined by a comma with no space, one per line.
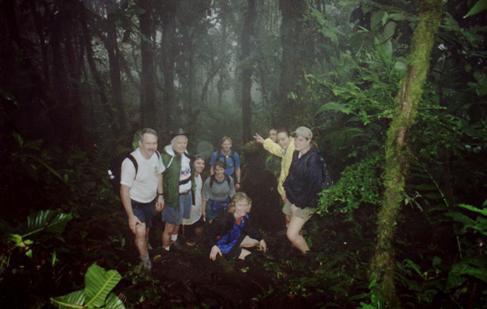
115,170
220,155
326,178
212,179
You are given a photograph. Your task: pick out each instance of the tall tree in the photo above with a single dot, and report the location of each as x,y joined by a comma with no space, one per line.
246,67
396,165
167,13
296,57
148,92
111,44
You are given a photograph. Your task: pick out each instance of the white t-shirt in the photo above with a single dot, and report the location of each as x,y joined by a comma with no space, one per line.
185,174
196,208
143,187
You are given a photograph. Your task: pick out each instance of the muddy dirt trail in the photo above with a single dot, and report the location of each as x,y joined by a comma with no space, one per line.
186,277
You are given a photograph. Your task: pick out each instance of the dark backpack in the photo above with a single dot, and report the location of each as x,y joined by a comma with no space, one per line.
220,155
115,170
213,179
326,178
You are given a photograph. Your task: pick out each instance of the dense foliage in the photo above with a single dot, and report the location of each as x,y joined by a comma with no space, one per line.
79,77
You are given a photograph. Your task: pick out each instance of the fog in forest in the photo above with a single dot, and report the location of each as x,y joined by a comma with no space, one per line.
392,98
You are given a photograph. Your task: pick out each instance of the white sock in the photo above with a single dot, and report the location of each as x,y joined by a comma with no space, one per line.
145,258
174,237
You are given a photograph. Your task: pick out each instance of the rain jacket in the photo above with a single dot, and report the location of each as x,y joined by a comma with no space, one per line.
287,157
229,232
305,179
172,163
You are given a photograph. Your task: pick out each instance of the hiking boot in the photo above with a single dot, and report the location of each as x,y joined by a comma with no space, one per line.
143,267
177,245
147,265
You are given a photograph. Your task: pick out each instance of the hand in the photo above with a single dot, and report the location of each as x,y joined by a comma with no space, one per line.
237,186
215,251
133,221
262,246
160,204
258,138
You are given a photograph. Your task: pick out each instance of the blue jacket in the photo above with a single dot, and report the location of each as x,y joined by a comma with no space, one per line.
229,233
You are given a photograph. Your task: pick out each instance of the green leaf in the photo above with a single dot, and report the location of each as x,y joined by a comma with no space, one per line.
467,267
17,240
335,107
113,302
71,300
478,7
483,212
98,283
54,258
46,220
18,138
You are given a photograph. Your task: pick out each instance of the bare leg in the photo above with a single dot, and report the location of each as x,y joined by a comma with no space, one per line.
248,242
175,230
243,254
147,233
141,239
294,234
166,235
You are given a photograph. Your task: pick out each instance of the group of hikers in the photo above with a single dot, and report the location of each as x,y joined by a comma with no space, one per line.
170,183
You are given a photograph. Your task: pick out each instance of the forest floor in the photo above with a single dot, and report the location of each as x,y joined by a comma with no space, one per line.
186,277
329,276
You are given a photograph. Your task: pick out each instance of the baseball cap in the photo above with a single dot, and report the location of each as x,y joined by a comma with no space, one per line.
303,132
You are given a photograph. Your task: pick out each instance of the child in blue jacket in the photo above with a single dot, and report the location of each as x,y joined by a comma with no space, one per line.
234,234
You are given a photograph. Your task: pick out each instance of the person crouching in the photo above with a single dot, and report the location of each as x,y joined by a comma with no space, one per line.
233,234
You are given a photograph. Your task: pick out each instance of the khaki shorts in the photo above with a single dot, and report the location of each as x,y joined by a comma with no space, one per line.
290,209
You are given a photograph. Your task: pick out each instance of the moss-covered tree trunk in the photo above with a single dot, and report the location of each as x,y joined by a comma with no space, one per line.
396,165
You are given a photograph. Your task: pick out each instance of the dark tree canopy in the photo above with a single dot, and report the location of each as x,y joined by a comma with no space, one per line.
394,92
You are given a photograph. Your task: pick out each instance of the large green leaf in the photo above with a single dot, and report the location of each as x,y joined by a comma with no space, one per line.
46,220
72,300
113,302
98,283
96,294
478,7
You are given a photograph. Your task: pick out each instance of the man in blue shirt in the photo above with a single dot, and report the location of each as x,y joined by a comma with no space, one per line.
230,158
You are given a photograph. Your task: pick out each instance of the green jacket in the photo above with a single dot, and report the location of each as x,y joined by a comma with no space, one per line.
172,162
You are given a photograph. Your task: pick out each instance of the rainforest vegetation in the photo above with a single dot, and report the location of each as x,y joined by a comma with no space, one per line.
394,92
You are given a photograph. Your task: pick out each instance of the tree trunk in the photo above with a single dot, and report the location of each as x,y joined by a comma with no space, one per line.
296,57
100,86
168,60
147,94
114,61
396,165
246,68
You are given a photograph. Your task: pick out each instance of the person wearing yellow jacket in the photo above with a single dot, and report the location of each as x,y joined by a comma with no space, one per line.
284,149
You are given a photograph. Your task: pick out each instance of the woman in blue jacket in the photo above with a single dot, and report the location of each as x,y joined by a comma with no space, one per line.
302,186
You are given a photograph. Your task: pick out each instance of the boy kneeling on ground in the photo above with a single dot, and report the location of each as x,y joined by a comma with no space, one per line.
234,234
